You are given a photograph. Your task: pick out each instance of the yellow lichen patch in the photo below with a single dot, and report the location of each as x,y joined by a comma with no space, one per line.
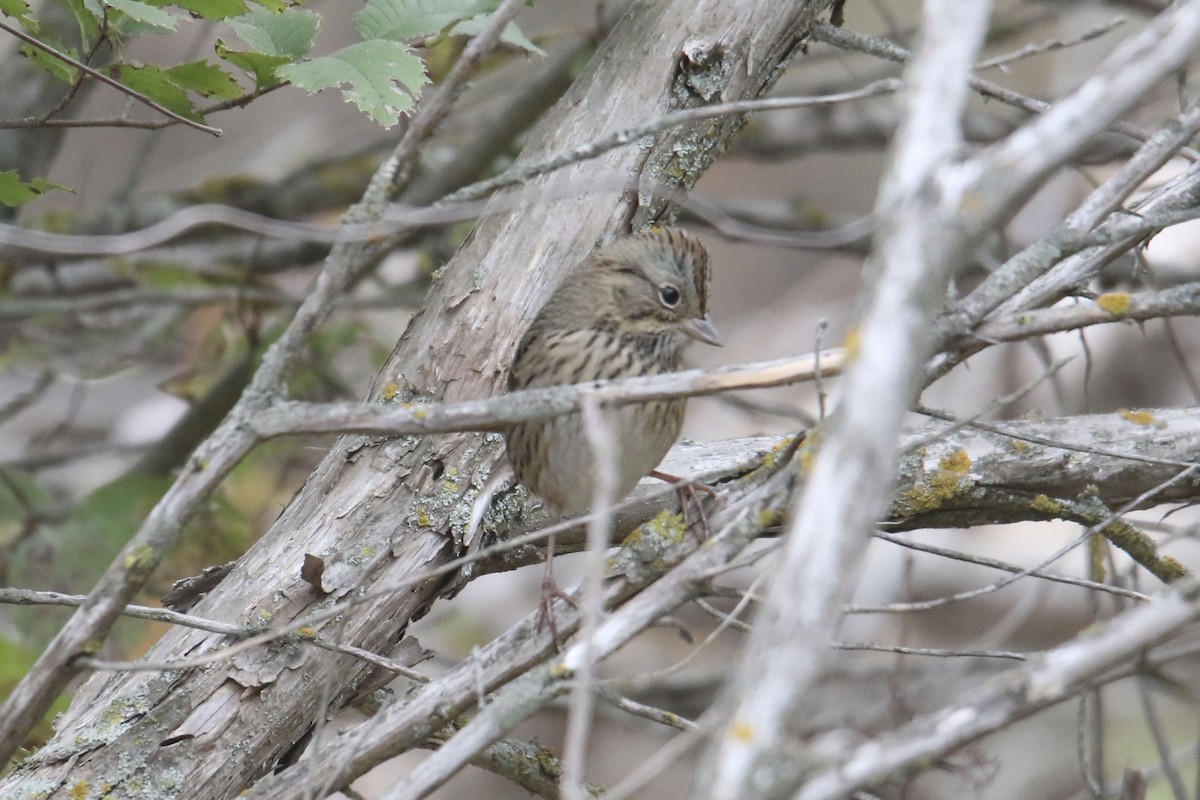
1142,549
949,479
367,551
1115,303
632,538
390,392
852,343
770,458
1137,417
307,632
548,764
742,731
418,412
140,558
1173,568
1045,505
423,518
808,450
1018,446
1097,557
667,525
952,471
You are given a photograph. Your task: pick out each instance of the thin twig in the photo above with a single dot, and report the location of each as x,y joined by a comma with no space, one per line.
523,173
287,418
1051,45
1051,678
435,108
929,651
100,76
400,217
644,711
998,404
124,122
33,597
1177,301
22,400
984,561
334,611
1098,527
882,48
1161,743
603,445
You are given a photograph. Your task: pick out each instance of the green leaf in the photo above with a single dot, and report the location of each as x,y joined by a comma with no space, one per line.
55,66
87,15
214,9
155,83
205,79
275,5
19,9
260,66
287,34
400,20
14,8
144,13
511,34
14,193
376,70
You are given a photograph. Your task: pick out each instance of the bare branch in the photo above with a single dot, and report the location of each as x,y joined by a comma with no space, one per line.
1053,677
100,76
1051,45
284,418
1183,300
920,238
881,48
520,174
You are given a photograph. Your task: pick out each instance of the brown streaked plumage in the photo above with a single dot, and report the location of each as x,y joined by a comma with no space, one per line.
628,309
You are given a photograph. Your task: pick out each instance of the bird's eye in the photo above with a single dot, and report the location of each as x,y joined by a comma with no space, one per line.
669,296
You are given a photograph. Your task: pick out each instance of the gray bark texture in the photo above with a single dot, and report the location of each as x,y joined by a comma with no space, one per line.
377,512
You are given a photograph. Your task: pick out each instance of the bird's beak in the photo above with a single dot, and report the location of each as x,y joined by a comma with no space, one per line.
703,330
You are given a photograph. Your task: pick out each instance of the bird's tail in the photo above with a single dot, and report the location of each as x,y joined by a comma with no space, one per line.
501,478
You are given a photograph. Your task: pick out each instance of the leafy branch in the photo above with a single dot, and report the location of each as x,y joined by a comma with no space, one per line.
382,74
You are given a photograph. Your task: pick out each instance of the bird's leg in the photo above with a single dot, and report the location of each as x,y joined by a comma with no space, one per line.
550,591
688,492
